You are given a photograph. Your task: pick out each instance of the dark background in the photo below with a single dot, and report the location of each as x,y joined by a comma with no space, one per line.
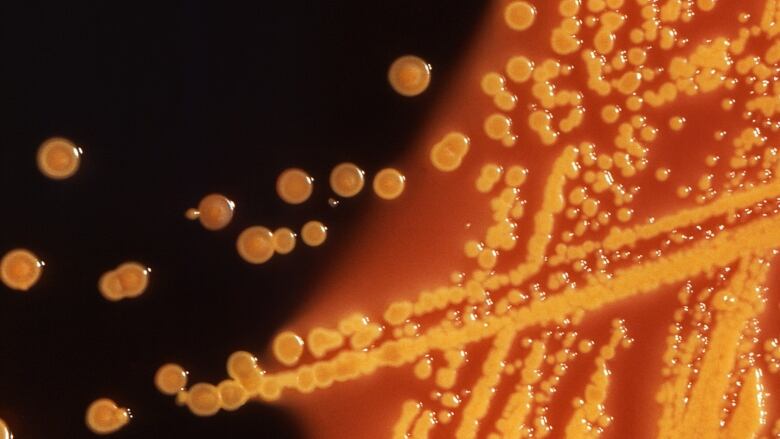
170,103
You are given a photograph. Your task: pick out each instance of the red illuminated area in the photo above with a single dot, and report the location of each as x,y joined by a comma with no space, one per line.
578,244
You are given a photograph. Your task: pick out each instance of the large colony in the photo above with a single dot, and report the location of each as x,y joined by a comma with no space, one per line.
20,269
619,92
129,280
622,85
409,75
215,211
58,158
5,432
103,416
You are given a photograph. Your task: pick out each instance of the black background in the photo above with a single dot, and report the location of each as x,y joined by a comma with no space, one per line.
169,103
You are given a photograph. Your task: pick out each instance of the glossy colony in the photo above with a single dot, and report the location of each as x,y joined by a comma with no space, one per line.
5,432
58,158
284,240
389,183
624,160
409,75
256,244
104,416
347,180
314,233
215,212
129,280
170,379
20,269
294,186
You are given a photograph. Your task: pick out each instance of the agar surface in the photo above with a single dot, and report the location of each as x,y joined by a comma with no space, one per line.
629,154
615,214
